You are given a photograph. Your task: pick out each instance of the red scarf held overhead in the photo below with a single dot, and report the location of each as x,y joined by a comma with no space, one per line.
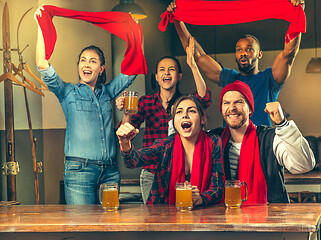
199,12
118,23
250,169
201,166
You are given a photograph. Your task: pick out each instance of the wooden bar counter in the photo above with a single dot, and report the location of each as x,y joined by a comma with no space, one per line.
138,221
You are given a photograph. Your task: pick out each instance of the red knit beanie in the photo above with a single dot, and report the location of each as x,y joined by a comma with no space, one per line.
241,87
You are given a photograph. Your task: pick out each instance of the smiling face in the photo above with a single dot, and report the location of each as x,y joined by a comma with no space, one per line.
235,110
89,68
247,53
167,74
187,119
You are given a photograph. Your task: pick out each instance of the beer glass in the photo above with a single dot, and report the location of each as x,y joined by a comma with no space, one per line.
233,198
131,102
108,196
184,196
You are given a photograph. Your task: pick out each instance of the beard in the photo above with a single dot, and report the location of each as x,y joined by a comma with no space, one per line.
247,69
235,124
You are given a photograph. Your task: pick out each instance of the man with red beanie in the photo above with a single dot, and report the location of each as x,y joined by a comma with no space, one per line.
259,154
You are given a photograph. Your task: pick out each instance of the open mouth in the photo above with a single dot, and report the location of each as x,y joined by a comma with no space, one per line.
186,125
167,79
87,73
234,116
244,61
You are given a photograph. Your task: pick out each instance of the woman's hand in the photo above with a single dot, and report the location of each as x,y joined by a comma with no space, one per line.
190,53
125,133
38,13
196,197
120,102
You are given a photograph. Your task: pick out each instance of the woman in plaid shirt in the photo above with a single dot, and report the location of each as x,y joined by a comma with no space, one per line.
155,109
191,154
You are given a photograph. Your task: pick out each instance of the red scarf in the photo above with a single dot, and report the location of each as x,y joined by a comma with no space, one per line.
250,169
201,166
199,12
117,23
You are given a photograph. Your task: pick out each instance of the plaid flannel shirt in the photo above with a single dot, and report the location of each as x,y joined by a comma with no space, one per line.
160,154
156,119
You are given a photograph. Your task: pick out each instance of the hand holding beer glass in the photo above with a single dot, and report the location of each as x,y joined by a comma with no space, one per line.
131,102
184,196
108,196
233,197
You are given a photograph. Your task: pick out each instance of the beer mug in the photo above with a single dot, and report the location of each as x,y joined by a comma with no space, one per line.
108,196
233,198
131,102
184,196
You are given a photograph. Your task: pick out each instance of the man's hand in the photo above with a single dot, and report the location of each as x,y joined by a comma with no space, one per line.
172,7
125,133
275,111
297,3
135,19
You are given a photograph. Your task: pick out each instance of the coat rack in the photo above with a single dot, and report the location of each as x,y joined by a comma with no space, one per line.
10,71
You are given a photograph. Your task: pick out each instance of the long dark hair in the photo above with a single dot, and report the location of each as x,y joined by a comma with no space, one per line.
198,104
177,92
102,77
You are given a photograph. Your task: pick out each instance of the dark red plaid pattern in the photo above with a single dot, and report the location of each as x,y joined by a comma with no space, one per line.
160,154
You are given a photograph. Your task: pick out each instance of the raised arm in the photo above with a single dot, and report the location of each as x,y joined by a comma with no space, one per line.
41,61
283,63
275,111
207,64
199,81
289,146
137,158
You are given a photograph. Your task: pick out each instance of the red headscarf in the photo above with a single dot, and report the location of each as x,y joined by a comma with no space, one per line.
200,12
118,23
201,166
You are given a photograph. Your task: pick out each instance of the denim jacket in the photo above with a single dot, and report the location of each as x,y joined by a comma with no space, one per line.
89,130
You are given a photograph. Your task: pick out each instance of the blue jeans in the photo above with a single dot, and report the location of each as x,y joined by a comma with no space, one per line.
82,181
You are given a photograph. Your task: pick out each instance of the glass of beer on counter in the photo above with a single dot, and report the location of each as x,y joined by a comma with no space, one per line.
233,196
108,196
131,102
184,196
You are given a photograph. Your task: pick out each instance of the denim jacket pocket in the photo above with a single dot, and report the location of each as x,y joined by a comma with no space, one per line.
83,104
73,166
105,104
